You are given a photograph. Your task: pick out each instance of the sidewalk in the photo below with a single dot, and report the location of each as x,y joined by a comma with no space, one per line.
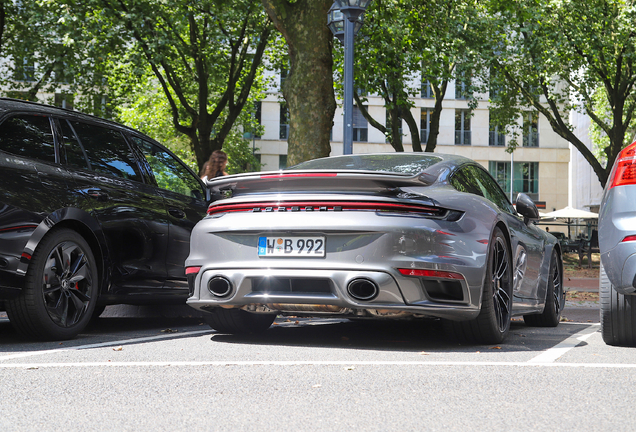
580,284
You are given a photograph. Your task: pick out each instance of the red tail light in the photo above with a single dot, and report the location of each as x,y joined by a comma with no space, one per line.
629,238
192,270
431,273
318,206
624,171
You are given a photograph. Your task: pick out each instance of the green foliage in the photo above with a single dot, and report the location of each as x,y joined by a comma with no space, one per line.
240,154
404,40
48,49
206,57
143,107
557,56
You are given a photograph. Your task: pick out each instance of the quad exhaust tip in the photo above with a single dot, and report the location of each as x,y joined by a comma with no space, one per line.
219,286
363,289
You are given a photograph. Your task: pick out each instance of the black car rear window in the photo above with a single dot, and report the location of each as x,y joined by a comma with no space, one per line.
29,136
408,164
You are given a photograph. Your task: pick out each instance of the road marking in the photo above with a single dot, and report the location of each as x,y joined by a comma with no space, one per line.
104,344
558,350
310,363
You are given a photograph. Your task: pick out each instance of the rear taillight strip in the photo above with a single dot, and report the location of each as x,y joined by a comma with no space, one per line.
431,273
295,206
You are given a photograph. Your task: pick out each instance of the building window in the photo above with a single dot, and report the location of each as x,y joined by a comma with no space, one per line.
462,86
525,179
425,124
462,127
283,77
494,87
360,125
257,121
284,121
24,69
531,129
64,100
427,90
282,161
496,136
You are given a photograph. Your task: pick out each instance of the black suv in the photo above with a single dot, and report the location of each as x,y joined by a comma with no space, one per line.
91,213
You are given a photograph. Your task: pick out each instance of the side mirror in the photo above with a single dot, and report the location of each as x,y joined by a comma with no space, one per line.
527,208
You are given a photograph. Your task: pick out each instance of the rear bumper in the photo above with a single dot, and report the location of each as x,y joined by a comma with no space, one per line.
620,266
326,291
10,285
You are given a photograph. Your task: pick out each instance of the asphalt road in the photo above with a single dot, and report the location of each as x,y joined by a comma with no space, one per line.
312,375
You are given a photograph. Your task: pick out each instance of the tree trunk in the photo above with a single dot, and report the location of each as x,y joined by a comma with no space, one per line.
308,88
439,91
414,128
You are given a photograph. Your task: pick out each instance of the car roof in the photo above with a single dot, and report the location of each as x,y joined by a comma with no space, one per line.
8,105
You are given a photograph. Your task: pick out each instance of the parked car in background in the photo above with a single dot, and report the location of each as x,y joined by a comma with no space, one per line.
91,213
378,236
617,244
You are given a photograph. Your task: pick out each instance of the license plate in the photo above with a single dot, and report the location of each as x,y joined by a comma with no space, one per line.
291,246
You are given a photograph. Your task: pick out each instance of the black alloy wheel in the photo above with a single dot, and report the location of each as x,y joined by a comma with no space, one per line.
493,322
66,284
60,291
501,284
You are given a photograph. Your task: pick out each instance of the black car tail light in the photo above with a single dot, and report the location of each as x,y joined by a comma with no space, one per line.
624,171
328,206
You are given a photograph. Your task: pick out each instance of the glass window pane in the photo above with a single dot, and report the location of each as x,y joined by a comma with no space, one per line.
29,136
74,153
107,151
168,171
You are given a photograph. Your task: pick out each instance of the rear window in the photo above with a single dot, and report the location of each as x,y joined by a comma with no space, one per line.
407,164
29,136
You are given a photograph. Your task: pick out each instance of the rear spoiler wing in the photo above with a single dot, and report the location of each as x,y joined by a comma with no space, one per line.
313,181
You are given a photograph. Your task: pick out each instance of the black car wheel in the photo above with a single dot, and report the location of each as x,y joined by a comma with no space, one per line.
618,315
238,321
555,297
493,322
60,290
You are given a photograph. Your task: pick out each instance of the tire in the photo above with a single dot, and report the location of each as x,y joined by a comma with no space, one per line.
618,315
554,297
237,321
493,322
60,290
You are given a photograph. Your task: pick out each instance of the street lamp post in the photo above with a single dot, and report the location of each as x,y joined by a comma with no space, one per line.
344,21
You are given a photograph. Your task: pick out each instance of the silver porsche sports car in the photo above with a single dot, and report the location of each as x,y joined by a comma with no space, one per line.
400,235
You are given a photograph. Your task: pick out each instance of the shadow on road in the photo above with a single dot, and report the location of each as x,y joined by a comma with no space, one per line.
396,336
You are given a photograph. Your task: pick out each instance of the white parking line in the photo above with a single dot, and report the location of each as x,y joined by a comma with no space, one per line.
104,344
311,363
558,350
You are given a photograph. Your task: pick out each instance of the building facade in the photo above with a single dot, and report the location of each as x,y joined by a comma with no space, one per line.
540,165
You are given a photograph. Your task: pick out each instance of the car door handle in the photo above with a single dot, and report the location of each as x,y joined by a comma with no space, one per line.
98,194
179,214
